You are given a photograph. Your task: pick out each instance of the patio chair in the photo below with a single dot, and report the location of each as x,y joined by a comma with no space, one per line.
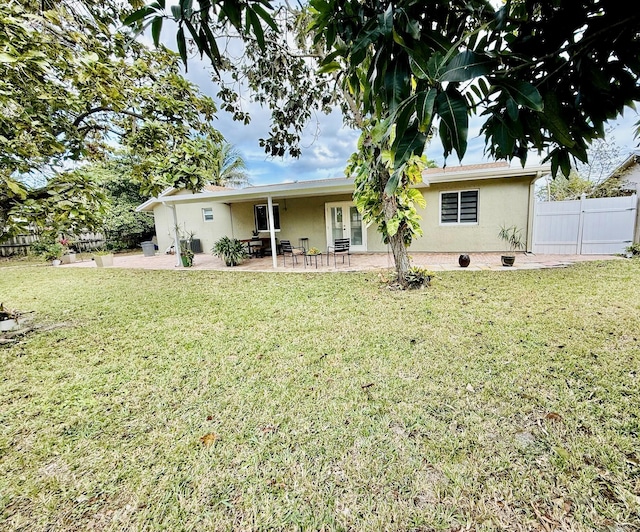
340,247
293,252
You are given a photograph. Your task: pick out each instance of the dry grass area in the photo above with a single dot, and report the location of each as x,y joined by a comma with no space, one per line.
241,401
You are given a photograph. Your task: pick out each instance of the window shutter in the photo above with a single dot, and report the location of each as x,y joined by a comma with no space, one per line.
449,212
469,206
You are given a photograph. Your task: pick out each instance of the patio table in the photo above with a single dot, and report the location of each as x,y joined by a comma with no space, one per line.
314,256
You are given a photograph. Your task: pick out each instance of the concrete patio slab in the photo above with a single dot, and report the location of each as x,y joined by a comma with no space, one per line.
359,262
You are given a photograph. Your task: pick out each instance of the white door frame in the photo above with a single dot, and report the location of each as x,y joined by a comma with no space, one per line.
346,220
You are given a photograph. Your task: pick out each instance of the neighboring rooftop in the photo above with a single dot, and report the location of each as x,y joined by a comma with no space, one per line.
466,168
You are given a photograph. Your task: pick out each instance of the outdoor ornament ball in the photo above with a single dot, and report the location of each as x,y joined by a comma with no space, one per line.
464,260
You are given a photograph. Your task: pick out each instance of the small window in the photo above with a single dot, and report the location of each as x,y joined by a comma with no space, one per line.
207,214
262,222
459,207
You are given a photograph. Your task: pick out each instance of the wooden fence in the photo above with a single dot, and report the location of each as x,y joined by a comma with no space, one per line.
20,244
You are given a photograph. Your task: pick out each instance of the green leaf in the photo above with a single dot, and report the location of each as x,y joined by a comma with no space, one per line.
392,226
452,109
408,143
262,13
213,45
186,8
257,27
414,195
554,121
503,138
16,188
182,45
398,38
137,15
385,21
397,85
523,93
424,108
156,29
465,66
327,68
512,109
6,58
231,11
419,68
404,113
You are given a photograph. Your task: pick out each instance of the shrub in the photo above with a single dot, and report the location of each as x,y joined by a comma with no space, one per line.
418,278
230,250
634,249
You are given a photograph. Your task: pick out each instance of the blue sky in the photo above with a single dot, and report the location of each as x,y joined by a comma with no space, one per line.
327,144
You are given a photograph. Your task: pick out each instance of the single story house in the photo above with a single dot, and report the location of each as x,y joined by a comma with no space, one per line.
628,172
466,206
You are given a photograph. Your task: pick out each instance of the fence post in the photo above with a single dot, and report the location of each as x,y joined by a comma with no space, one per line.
583,200
636,232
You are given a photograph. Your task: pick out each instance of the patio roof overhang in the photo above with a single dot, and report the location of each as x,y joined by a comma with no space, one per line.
301,189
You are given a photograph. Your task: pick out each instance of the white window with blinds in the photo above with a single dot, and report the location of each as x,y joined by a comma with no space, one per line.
460,207
207,214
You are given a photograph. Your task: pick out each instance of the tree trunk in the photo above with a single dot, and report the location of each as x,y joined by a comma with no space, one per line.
398,248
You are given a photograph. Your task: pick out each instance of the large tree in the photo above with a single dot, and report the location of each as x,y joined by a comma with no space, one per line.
542,75
72,88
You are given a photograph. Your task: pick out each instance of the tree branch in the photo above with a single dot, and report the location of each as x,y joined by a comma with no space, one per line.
95,110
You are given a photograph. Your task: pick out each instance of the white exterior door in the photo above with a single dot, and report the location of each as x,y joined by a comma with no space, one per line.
345,221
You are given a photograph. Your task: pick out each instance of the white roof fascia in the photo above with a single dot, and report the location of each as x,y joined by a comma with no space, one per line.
280,190
452,176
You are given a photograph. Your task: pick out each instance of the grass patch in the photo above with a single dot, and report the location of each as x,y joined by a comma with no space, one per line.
492,400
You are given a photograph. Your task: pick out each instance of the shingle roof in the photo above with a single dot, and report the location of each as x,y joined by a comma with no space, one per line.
466,168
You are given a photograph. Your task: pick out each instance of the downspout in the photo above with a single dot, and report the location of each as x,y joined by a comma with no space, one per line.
231,219
636,233
176,243
272,232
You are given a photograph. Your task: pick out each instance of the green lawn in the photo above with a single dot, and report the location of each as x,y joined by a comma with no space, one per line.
493,400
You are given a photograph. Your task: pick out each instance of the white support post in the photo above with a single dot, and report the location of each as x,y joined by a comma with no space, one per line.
176,236
272,232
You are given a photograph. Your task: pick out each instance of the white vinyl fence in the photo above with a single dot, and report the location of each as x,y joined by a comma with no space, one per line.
585,226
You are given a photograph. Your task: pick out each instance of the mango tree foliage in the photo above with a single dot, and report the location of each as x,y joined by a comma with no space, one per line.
543,75
73,88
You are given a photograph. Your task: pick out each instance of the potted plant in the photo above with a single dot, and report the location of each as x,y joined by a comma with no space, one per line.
186,256
230,250
69,254
103,259
255,235
49,250
512,236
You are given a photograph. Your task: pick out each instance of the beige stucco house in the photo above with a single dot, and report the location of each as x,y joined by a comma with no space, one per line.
465,208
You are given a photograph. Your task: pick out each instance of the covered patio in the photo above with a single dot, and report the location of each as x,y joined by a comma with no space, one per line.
359,262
